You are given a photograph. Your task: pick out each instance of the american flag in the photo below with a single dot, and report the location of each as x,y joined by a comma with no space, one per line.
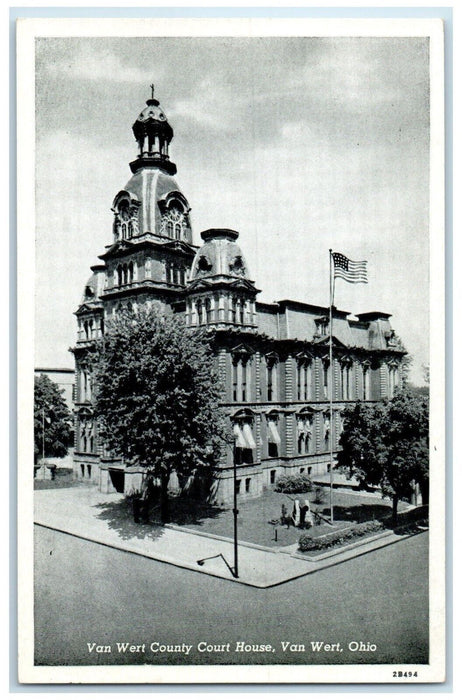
349,270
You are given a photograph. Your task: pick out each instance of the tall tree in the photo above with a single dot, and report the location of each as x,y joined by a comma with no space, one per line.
52,420
157,397
386,445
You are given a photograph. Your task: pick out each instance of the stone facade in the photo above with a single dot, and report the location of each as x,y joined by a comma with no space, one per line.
273,358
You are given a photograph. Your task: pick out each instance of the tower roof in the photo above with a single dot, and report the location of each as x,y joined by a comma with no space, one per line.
152,120
220,259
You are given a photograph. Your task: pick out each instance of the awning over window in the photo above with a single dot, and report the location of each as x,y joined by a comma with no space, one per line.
250,442
273,433
240,440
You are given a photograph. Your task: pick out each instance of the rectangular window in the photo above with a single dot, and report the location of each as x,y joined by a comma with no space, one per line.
307,381
238,486
244,381
269,374
234,380
272,476
247,485
272,449
299,382
274,439
325,371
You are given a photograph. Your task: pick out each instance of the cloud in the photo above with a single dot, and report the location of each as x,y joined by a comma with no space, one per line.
88,60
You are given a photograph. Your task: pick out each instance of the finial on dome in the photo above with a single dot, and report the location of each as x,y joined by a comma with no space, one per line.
152,90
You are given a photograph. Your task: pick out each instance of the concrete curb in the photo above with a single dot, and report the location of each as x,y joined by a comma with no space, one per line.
161,558
183,565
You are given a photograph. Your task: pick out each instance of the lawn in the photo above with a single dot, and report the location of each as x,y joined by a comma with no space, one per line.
256,517
64,478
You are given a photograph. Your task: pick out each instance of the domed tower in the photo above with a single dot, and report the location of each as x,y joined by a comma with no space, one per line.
220,292
152,249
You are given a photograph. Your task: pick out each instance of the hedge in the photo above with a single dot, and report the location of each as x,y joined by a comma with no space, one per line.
294,483
311,544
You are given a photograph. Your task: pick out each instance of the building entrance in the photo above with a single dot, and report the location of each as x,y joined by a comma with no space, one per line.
117,479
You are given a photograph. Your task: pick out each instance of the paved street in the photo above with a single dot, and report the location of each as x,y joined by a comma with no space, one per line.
87,593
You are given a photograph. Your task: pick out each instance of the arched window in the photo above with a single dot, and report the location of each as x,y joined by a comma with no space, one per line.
304,432
124,231
169,229
304,379
366,382
177,231
274,439
271,378
244,441
130,272
130,229
345,380
86,330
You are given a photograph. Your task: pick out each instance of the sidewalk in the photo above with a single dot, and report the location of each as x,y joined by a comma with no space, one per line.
86,513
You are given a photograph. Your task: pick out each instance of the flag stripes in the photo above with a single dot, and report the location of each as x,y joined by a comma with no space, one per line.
354,271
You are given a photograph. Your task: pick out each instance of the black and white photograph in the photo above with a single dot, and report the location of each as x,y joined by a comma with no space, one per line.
231,351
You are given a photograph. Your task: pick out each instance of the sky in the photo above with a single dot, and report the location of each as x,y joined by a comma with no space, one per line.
300,144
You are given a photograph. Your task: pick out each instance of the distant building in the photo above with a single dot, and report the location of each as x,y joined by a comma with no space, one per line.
273,358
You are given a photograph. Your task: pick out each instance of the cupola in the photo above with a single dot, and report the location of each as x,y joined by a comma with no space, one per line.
153,134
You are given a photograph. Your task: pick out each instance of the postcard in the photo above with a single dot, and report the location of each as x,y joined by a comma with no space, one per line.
231,351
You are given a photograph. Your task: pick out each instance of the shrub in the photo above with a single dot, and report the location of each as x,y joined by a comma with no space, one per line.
307,543
293,483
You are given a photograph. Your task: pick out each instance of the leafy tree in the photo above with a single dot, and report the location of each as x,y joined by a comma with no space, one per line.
386,445
52,419
157,398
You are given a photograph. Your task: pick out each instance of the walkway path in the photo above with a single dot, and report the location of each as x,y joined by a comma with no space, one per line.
86,513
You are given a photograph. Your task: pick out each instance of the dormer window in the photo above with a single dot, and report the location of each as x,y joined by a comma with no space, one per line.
126,218
204,264
237,266
322,326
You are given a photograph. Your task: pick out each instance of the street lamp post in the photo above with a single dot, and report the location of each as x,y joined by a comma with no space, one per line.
233,569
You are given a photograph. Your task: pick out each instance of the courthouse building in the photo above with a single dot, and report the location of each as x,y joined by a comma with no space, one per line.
273,358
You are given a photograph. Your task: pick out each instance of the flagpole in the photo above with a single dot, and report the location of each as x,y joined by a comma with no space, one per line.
331,387
43,435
